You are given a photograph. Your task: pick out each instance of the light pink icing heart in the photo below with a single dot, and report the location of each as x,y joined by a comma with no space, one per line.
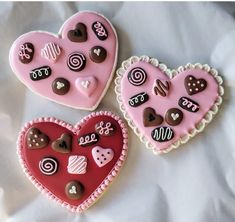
102,156
143,83
54,51
86,85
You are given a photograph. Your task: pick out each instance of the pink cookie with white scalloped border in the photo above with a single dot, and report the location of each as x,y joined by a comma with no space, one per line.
86,47
164,107
58,158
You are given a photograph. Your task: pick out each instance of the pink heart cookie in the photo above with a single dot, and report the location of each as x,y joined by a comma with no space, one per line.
74,179
185,100
50,65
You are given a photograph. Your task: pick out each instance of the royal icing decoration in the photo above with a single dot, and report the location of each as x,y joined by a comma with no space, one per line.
79,34
194,85
77,164
162,134
188,104
74,176
104,128
181,102
76,61
174,116
102,156
150,118
51,52
40,73
60,86
36,139
161,87
137,76
74,190
48,166
63,144
88,139
26,52
86,85
138,99
100,31
86,46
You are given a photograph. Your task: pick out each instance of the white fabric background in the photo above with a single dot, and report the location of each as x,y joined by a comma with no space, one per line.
194,183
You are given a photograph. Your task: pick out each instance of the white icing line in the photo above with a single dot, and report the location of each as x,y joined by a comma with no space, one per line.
104,184
171,73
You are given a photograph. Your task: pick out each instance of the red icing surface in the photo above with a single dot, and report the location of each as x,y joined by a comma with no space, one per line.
93,177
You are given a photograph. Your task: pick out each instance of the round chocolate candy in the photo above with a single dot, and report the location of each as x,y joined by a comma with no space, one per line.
74,190
98,54
60,86
76,61
174,116
48,166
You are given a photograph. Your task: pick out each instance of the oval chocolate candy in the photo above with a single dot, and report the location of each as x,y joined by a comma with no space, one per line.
138,99
88,139
100,31
26,52
40,73
188,104
162,134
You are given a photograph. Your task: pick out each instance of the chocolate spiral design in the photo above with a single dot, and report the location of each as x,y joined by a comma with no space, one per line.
48,166
137,76
76,61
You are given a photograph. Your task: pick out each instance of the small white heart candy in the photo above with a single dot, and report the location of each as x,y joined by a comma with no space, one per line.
97,52
85,84
175,116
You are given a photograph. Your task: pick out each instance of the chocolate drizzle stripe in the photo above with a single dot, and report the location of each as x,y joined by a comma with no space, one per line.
161,88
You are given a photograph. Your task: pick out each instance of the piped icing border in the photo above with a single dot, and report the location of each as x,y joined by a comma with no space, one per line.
171,73
75,129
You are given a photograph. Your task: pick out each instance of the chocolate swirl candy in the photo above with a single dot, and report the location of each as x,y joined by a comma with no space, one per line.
48,166
76,61
137,76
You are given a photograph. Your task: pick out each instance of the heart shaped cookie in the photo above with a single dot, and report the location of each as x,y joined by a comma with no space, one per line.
73,165
164,107
53,65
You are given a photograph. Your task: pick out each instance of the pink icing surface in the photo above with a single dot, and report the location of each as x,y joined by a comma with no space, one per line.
205,99
101,71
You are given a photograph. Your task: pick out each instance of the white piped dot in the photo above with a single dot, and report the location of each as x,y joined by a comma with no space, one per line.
29,139
202,85
34,140
196,89
31,133
194,84
189,84
30,145
42,139
37,144
190,78
35,136
198,82
190,90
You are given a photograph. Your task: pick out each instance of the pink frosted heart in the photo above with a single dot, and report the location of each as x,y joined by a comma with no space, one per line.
102,156
53,51
86,85
153,85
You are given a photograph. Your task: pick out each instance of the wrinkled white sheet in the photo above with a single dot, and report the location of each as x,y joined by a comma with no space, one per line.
195,183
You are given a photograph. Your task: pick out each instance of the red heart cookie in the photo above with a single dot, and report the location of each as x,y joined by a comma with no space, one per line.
71,174
73,68
164,107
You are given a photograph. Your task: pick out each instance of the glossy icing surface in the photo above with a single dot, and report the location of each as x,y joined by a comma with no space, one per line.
83,168
167,100
54,50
